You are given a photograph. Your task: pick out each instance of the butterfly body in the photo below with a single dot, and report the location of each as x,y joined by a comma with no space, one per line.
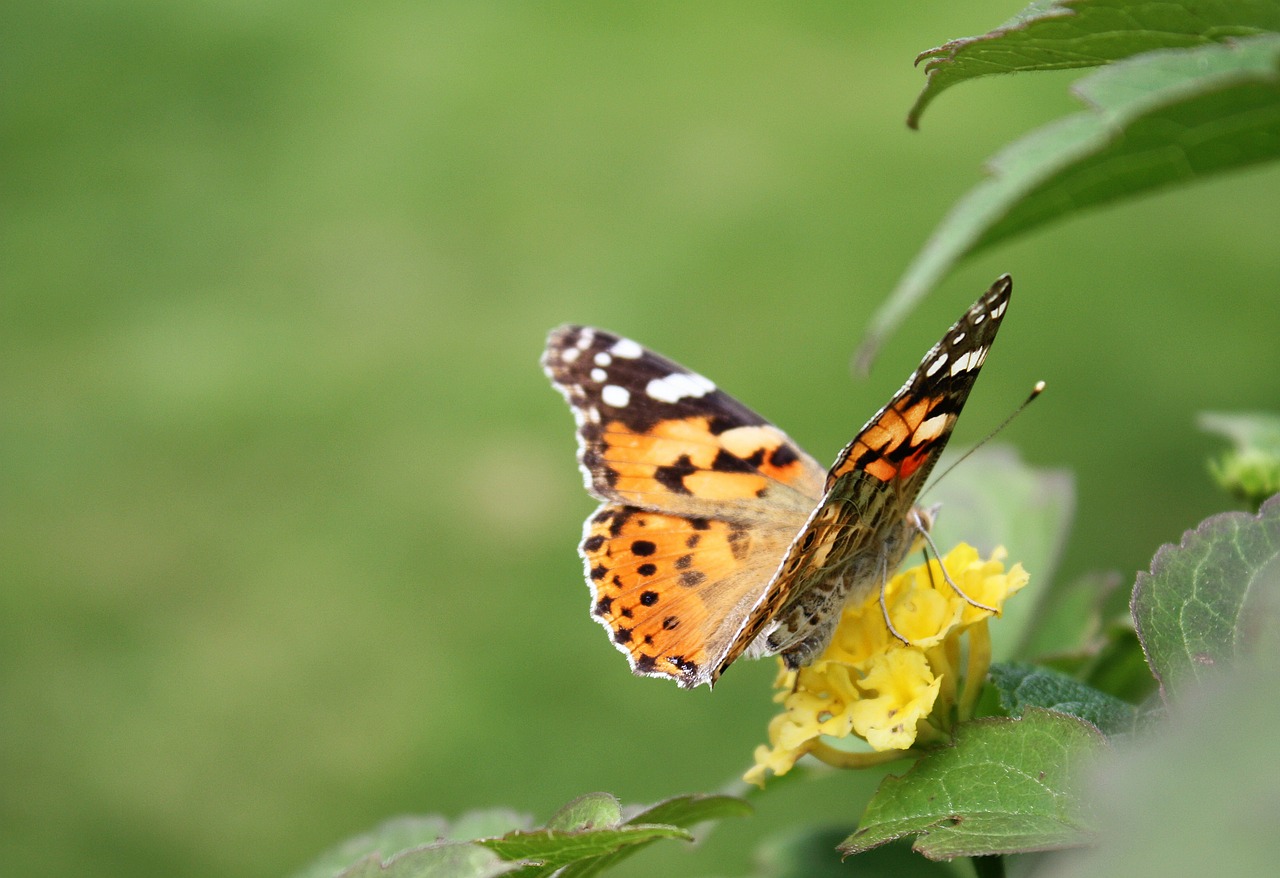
718,536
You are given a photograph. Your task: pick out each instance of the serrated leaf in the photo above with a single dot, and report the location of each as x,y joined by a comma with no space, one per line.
995,498
1157,119
683,811
1087,33
405,833
1207,601
1251,469
1024,686
556,848
454,859
1006,786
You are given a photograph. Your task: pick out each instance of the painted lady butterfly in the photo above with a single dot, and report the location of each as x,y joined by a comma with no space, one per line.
718,536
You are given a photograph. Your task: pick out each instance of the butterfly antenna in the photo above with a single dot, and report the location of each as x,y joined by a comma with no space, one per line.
1035,391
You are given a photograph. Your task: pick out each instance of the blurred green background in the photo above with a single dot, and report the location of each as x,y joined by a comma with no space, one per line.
290,510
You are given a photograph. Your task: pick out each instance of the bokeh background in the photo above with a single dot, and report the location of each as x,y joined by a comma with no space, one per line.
289,509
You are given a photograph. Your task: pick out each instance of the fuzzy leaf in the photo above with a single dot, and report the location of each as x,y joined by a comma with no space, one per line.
1157,119
1088,33
1006,786
1024,686
1207,601
1199,798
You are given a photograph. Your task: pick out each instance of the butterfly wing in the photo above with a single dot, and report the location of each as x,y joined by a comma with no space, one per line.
859,531
701,496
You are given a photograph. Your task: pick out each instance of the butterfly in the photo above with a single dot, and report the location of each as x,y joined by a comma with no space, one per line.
717,536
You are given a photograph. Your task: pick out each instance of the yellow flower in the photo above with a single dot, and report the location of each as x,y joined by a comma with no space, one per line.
889,693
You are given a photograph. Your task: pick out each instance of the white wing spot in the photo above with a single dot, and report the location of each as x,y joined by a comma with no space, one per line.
599,374
999,309
593,415
978,318
929,429
603,359
969,361
569,354
963,363
587,337
955,339
677,386
616,396
936,365
627,349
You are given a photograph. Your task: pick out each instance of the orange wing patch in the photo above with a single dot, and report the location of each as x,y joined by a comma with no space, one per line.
673,591
686,456
896,444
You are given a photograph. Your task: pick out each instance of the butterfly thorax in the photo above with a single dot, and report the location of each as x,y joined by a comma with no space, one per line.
829,567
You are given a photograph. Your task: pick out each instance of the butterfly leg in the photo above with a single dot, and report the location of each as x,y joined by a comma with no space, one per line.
884,606
924,533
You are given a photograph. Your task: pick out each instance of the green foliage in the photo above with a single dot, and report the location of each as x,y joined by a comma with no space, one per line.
1207,601
1006,786
1196,796
1157,118
583,838
1088,33
1026,686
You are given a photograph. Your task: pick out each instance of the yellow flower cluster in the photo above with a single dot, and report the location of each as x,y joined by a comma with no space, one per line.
889,693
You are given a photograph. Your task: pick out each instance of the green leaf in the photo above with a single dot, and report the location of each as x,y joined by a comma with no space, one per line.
683,811
1025,686
583,838
556,848
1207,601
1006,786
995,498
1199,797
1157,119
1251,469
402,834
1088,33
553,850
